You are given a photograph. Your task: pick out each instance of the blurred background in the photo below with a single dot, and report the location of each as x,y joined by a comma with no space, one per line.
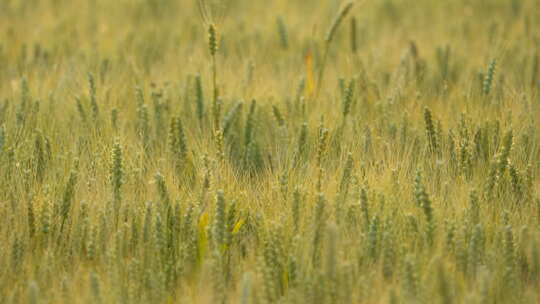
163,39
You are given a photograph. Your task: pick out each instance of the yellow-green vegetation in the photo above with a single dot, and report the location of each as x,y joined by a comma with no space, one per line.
284,151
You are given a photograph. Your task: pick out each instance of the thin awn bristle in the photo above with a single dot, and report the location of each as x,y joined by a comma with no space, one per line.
212,11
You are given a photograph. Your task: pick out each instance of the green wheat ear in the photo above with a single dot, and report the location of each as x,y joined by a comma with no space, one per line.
117,173
282,31
489,78
212,14
354,35
431,132
212,39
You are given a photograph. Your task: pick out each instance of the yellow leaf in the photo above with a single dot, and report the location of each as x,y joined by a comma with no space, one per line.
201,236
237,226
310,78
203,221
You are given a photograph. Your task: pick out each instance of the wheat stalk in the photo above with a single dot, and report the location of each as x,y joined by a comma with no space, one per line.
343,12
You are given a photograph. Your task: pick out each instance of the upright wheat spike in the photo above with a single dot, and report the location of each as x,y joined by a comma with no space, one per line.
489,78
354,36
282,31
69,192
93,97
430,131
212,13
116,173
213,47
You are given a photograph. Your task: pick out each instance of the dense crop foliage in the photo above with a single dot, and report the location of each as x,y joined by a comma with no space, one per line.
284,151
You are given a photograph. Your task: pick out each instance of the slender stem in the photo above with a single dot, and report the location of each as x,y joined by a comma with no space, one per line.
215,100
214,78
322,69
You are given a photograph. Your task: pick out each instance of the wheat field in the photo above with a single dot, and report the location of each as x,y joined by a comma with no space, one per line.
280,151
